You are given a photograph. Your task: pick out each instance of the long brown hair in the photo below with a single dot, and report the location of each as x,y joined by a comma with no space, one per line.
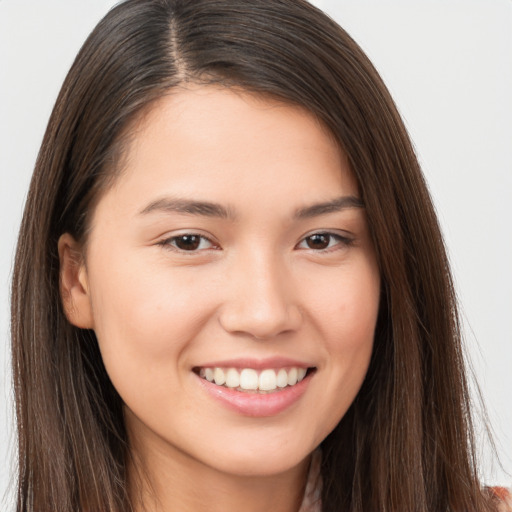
406,442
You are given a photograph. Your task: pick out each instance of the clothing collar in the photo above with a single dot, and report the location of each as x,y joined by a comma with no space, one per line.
313,491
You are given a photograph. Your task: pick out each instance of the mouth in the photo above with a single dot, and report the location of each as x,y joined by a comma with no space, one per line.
256,381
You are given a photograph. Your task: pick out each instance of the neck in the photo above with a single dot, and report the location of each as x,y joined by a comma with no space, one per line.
164,482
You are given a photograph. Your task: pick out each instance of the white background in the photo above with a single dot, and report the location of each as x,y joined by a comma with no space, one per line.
448,63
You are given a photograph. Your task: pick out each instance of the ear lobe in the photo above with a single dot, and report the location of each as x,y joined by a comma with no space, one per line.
74,286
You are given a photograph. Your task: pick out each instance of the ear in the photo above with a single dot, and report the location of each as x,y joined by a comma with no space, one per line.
74,286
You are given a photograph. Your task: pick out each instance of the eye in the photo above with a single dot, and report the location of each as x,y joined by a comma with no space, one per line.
188,242
323,241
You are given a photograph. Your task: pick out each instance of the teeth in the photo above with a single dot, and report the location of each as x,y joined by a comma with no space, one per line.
232,378
219,376
292,376
282,378
267,381
249,379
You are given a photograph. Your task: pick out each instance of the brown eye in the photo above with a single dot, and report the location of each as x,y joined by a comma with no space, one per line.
325,242
318,241
187,242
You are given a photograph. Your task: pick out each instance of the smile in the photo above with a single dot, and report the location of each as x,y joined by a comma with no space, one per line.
251,380
255,390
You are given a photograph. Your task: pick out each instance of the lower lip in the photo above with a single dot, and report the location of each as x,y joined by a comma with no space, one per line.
257,404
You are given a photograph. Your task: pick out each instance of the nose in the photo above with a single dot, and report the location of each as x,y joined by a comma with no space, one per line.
260,299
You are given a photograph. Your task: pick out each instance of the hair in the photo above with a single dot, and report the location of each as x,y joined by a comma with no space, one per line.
406,442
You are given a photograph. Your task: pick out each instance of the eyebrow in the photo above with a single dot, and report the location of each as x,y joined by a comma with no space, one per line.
335,205
203,208
209,209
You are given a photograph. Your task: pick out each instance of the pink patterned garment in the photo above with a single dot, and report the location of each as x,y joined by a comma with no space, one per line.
312,493
503,496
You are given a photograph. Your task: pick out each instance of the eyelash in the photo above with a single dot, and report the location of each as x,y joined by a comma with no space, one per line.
343,241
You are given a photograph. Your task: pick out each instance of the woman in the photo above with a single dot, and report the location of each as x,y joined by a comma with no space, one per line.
230,280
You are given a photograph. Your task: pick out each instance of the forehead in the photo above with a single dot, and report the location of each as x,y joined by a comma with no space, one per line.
227,144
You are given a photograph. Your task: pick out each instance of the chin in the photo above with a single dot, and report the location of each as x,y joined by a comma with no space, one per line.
263,461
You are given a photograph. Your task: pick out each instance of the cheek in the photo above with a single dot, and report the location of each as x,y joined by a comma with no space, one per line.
352,323
346,306
144,319
346,314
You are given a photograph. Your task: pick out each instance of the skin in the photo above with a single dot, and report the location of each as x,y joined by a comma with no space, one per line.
255,287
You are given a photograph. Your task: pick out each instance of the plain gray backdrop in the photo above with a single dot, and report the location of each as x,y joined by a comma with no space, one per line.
448,64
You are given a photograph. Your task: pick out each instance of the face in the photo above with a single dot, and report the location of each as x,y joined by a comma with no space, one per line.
231,281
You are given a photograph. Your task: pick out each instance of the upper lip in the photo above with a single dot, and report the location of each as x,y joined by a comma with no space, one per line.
256,364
